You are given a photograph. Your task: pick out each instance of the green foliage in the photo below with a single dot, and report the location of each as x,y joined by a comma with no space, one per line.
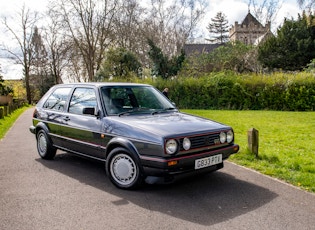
228,90
293,47
162,66
40,84
235,56
310,67
196,65
119,63
40,77
4,88
232,56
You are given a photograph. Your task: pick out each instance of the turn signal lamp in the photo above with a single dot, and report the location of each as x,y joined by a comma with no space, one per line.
171,163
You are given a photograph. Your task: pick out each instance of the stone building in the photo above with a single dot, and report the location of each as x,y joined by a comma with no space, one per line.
250,31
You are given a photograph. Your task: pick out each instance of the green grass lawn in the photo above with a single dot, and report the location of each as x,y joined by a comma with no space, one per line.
7,121
286,142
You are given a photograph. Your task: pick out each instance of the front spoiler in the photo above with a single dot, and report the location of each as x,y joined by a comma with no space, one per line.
153,166
33,129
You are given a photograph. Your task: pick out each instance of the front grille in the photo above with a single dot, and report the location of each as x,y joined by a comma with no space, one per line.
201,141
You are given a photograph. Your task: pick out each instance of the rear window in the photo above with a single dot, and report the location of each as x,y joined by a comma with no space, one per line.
57,100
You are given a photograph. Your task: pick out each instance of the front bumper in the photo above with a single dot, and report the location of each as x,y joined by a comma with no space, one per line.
33,129
162,167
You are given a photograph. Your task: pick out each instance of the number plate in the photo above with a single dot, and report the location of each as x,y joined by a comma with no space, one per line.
208,161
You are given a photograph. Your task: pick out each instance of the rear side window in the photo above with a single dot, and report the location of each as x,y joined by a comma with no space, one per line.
82,98
57,100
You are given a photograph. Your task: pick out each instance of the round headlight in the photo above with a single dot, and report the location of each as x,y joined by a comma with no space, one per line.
229,136
222,137
171,146
186,143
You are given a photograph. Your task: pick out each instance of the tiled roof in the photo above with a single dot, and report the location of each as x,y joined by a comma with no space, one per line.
250,19
199,48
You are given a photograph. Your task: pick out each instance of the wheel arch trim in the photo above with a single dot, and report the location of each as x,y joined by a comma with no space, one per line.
122,142
41,125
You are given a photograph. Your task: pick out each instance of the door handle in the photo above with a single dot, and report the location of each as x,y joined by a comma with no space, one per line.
66,119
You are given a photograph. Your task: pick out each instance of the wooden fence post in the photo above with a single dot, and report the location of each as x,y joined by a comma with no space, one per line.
5,110
253,141
1,113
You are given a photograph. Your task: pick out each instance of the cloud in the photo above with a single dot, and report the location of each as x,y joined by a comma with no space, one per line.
10,70
235,10
288,10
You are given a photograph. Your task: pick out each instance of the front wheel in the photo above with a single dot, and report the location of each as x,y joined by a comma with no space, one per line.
44,146
123,170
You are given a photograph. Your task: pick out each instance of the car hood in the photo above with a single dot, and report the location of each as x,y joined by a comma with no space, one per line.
163,125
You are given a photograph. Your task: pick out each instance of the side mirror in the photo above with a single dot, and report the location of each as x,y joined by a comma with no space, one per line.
89,111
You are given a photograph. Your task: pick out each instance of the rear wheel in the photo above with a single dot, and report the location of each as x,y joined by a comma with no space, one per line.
44,146
123,170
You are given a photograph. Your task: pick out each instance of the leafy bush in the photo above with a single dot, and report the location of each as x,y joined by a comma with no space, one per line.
228,90
5,89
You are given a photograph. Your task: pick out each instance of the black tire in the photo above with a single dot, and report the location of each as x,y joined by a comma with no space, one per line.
123,170
45,148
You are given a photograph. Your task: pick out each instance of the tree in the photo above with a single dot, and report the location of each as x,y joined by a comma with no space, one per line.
25,54
119,63
218,29
4,89
159,60
58,46
234,56
41,78
89,25
266,11
170,23
162,65
293,47
307,3
127,23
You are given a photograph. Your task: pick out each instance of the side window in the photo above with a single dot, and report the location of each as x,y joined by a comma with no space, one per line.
57,100
82,98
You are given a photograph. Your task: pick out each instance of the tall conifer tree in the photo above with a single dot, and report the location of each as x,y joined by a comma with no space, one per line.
218,29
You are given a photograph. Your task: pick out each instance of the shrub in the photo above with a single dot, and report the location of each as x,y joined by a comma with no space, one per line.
228,90
5,89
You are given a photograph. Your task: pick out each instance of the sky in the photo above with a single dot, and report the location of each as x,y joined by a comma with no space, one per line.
235,10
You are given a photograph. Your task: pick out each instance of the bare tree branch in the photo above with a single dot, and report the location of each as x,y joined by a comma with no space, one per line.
25,55
88,23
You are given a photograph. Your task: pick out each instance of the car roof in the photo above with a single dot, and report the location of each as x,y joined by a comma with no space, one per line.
100,84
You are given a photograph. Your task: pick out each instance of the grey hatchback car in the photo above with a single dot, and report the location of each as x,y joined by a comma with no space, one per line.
133,128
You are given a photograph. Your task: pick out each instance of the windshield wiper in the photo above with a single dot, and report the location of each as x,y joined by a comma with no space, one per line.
163,110
133,111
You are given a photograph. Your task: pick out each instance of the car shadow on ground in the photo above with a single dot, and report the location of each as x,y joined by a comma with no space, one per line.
205,199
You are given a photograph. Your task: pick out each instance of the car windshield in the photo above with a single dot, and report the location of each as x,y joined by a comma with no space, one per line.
126,100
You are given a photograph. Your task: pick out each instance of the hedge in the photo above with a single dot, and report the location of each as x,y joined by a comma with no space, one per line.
228,90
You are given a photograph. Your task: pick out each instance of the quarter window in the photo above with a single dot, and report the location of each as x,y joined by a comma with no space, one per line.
82,98
57,100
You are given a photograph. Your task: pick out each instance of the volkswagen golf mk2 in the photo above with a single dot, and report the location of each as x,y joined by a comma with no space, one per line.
133,128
